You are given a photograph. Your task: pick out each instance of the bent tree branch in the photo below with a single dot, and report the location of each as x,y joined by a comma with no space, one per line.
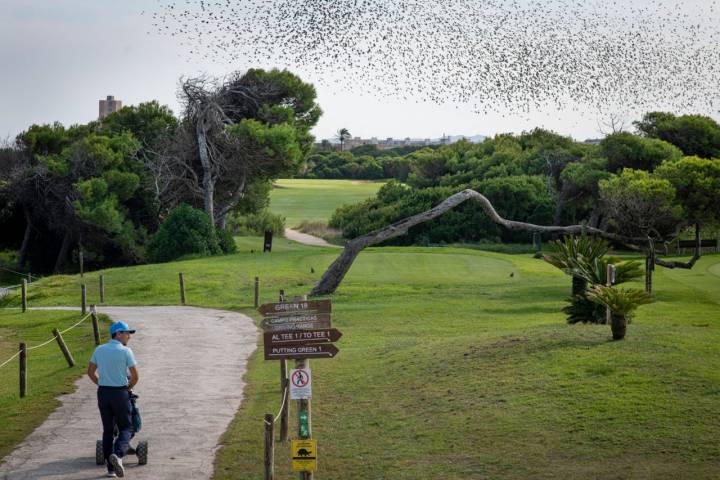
334,275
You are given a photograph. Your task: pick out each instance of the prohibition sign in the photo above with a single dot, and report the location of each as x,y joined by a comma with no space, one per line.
300,384
300,378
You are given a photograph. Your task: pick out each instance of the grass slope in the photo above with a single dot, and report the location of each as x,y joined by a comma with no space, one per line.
315,200
452,368
48,373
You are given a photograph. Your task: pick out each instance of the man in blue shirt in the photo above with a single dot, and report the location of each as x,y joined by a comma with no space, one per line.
108,369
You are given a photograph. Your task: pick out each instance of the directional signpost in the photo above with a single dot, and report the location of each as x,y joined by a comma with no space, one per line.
296,321
282,308
300,330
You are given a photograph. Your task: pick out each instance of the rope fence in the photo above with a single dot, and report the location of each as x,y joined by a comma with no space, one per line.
47,342
282,406
29,276
9,360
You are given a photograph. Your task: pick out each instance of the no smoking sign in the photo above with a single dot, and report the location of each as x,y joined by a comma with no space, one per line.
300,384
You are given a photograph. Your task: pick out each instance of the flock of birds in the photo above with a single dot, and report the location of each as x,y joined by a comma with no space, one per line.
510,55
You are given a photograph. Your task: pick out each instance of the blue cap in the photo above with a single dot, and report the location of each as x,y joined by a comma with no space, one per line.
120,327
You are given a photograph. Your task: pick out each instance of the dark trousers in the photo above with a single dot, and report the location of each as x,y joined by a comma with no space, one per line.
115,409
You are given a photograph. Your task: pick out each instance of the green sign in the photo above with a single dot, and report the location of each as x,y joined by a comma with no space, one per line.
304,427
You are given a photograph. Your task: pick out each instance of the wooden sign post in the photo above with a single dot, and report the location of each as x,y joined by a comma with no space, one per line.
267,244
299,330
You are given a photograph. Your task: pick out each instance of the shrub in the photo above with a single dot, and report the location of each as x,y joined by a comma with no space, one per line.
256,223
185,231
226,241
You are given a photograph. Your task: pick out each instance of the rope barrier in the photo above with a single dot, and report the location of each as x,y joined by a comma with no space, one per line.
285,395
49,341
78,323
42,344
15,272
9,360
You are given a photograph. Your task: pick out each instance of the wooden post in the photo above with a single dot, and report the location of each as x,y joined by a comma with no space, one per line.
285,400
63,347
269,447
83,299
23,370
257,292
96,328
284,393
648,273
304,405
24,295
102,288
182,289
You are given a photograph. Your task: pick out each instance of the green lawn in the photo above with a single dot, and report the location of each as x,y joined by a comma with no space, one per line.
316,200
48,373
456,364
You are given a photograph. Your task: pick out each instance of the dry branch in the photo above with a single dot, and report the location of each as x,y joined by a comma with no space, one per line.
334,275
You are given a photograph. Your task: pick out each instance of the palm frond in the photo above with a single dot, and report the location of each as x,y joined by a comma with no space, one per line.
619,301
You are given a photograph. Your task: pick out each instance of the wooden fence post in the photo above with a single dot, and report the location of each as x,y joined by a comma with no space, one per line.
23,370
285,400
83,299
102,288
182,289
269,447
96,328
63,347
257,292
304,408
24,295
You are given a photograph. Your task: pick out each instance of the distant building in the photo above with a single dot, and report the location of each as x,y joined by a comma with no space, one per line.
109,105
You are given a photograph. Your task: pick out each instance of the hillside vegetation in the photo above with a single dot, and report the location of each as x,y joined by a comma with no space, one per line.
458,363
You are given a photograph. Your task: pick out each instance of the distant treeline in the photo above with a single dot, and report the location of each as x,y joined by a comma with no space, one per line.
366,162
144,185
664,176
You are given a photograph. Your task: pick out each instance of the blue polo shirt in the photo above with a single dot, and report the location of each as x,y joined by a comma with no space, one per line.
113,360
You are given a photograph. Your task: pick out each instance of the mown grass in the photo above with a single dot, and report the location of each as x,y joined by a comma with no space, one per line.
48,373
315,200
457,363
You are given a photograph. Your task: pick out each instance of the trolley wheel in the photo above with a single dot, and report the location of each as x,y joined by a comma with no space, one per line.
99,457
142,453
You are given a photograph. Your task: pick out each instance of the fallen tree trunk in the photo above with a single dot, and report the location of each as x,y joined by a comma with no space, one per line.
335,274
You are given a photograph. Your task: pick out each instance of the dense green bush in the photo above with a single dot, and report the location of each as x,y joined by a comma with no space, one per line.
256,223
226,241
523,198
185,231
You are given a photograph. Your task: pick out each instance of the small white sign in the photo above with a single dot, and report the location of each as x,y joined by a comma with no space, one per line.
300,384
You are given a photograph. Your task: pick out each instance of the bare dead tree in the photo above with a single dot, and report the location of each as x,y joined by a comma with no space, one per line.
614,123
216,166
334,275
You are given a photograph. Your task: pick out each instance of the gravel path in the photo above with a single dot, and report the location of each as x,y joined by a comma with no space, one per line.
299,237
191,363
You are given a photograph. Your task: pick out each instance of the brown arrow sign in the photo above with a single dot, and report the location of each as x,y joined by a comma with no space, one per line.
289,308
297,321
306,337
326,350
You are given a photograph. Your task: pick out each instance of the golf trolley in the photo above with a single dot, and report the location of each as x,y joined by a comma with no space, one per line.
141,450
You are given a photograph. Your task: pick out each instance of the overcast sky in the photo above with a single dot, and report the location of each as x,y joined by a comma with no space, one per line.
59,57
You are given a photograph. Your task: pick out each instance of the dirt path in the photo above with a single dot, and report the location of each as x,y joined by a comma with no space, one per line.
191,364
299,237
